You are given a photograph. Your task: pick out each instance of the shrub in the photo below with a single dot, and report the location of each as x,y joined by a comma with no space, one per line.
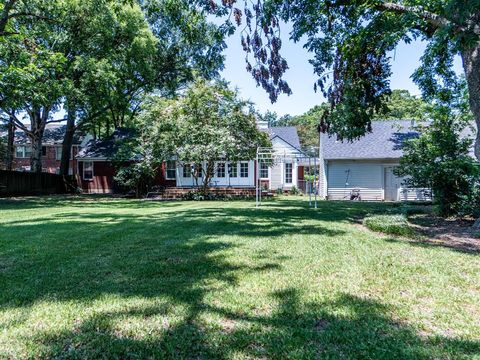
389,224
295,191
279,191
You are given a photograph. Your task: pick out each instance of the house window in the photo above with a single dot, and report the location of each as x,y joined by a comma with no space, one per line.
171,170
220,170
244,169
232,170
288,173
58,153
87,170
44,151
187,170
198,171
263,170
23,152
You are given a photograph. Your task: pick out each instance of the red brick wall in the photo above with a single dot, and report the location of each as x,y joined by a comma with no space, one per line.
102,182
49,162
103,174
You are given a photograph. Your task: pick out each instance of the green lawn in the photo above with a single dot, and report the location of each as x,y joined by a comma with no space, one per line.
102,278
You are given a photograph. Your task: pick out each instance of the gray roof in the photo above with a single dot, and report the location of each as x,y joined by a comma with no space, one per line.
384,142
106,148
286,133
53,134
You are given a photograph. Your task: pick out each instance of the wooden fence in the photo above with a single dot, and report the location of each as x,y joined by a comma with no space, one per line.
17,183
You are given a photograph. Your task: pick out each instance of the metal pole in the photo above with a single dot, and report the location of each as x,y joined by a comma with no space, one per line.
315,179
259,183
257,203
309,182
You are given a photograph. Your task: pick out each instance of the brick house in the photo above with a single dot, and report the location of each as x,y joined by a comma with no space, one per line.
51,149
96,172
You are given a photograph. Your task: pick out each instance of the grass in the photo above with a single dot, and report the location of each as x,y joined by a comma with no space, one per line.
394,224
101,278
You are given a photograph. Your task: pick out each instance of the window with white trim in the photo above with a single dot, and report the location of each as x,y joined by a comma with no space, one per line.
288,173
23,151
220,170
170,172
58,153
244,169
187,170
263,170
88,170
233,169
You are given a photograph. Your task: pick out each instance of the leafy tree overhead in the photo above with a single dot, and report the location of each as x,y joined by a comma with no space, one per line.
351,42
400,105
99,59
208,124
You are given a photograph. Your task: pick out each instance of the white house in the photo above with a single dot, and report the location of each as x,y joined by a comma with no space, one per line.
284,174
367,165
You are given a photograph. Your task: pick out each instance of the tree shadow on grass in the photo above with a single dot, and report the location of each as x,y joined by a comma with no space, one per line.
82,255
344,327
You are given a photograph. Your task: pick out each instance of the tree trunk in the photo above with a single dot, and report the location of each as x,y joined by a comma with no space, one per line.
38,121
471,66
208,175
36,160
10,145
67,142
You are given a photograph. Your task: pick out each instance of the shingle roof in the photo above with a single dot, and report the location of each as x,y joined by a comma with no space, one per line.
384,142
106,148
53,134
286,133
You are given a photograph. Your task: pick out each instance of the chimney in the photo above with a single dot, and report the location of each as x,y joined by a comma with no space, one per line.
262,125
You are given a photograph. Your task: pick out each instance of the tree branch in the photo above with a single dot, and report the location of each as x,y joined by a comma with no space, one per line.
432,18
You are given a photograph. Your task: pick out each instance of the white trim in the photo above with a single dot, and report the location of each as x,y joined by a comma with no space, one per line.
83,171
167,168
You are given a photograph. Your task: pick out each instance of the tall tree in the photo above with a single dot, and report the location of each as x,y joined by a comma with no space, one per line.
351,42
208,124
401,105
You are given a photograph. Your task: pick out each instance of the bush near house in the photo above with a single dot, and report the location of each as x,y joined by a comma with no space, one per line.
395,224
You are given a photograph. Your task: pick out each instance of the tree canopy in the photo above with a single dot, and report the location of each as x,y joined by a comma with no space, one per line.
400,105
207,124
351,42
98,59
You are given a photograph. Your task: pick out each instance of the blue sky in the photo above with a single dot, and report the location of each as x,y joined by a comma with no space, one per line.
300,76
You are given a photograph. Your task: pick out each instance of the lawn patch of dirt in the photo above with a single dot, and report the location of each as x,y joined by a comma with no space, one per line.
453,233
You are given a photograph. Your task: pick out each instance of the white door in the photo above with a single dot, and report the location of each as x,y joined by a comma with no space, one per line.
392,184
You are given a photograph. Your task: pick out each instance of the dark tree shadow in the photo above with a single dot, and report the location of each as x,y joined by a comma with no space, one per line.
346,327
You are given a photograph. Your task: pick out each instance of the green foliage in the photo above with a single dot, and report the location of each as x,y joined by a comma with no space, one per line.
209,123
351,43
294,191
389,224
133,158
440,159
400,105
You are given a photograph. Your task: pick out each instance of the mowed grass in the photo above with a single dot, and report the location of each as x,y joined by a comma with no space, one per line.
102,278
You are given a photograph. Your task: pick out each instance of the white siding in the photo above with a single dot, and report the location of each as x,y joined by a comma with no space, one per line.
223,181
342,178
370,178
